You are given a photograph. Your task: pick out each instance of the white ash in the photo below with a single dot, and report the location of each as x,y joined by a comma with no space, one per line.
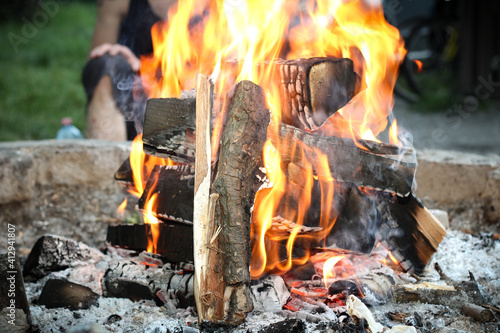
460,253
134,316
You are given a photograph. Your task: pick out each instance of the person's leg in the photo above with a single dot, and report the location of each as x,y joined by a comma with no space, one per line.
104,119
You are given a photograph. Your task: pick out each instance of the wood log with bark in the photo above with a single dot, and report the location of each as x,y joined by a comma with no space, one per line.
222,268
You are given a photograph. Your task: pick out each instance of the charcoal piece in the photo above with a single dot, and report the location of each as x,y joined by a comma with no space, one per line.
287,325
344,286
478,312
114,318
53,253
132,290
14,305
59,293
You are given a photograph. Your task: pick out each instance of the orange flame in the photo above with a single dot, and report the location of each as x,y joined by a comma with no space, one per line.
142,165
393,133
328,268
153,223
419,65
234,43
121,209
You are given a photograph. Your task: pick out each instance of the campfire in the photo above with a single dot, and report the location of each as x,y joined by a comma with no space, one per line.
262,177
274,166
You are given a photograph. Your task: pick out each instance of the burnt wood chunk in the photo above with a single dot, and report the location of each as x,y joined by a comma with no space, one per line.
13,301
173,186
314,89
175,242
376,165
59,293
410,232
169,126
53,253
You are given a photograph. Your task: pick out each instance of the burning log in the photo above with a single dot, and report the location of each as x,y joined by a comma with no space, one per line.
223,241
377,165
410,232
314,89
174,189
175,241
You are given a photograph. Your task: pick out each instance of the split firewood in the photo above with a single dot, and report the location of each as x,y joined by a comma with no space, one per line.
314,89
409,231
169,126
227,300
175,241
443,294
377,165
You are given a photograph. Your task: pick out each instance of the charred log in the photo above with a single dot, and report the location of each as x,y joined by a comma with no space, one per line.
15,308
136,281
377,165
175,241
173,187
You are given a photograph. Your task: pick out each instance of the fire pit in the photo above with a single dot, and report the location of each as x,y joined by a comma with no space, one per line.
268,202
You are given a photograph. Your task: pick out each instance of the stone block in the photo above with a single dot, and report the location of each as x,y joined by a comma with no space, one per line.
17,176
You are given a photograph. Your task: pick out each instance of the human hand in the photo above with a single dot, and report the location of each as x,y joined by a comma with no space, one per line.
114,49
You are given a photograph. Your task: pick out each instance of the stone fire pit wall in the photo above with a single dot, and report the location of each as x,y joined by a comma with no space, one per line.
67,188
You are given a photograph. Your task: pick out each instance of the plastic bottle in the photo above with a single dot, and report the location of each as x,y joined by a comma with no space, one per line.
68,130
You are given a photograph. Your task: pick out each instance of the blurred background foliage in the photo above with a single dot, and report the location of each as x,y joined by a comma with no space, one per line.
41,66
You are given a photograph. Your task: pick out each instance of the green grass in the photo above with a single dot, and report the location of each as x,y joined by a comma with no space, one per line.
41,82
